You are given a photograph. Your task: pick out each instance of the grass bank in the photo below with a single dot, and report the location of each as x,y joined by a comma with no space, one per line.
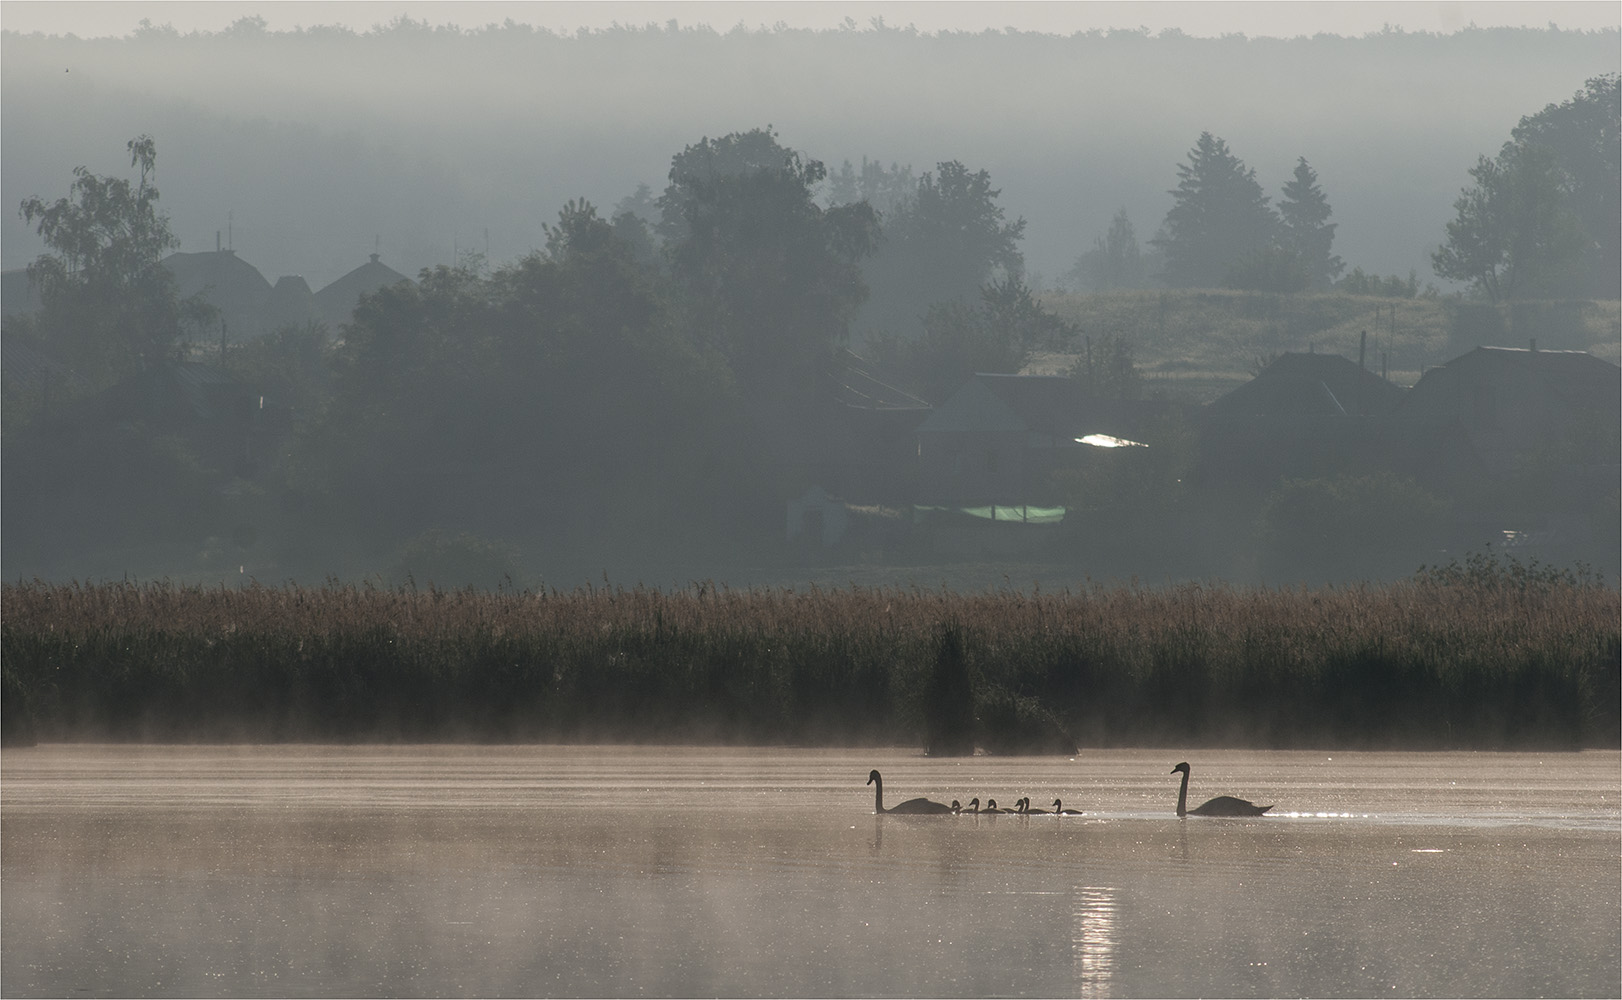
1202,343
1438,662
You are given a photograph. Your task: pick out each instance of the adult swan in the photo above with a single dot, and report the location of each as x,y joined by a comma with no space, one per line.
914,806
1222,805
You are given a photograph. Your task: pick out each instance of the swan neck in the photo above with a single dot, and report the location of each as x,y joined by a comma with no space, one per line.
1182,796
878,794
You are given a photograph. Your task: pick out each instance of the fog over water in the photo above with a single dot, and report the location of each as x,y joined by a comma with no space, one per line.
241,871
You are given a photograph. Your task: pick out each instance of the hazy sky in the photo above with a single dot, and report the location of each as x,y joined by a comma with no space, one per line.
1280,18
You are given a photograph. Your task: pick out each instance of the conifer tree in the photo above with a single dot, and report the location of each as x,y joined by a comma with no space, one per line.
1305,228
1220,217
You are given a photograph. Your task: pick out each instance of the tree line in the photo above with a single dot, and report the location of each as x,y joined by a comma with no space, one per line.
648,379
1540,220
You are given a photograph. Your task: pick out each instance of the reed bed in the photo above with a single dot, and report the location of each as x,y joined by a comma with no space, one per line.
1442,661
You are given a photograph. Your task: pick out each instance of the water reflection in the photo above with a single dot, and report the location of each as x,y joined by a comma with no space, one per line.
1092,939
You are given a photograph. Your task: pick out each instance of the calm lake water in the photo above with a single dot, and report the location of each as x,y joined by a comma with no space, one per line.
658,871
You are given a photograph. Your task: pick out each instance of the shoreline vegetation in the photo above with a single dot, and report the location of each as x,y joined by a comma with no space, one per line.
1482,656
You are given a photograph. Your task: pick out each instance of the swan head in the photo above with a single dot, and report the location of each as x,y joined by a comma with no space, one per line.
991,803
1056,803
872,777
974,803
957,806
1183,767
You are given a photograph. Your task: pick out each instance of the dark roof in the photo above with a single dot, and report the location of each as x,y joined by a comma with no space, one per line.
336,302
1563,372
28,368
290,303
1298,385
230,283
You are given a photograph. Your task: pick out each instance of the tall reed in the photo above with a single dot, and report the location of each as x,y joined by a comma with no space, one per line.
1434,662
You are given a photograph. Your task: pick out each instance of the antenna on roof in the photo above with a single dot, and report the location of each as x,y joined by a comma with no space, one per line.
228,244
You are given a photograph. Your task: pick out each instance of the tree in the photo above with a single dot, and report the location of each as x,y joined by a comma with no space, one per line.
1513,235
885,190
562,384
1219,217
769,278
959,340
1305,229
1115,261
108,304
1583,136
1108,368
942,245
1273,268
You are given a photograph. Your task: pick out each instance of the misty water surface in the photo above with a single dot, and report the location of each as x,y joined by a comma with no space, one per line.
674,871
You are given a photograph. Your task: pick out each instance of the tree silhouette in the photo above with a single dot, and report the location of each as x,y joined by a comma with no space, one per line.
109,306
1305,229
1219,217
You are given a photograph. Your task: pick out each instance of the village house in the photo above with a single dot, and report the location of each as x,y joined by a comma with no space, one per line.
999,438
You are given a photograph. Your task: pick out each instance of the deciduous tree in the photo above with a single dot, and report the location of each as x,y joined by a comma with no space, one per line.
109,306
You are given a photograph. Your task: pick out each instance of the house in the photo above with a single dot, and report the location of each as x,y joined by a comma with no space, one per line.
1306,385
33,380
999,438
1309,416
335,304
1523,405
865,448
229,284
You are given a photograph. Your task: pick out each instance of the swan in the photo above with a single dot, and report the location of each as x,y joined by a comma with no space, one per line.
991,807
973,808
1222,805
914,806
1058,811
1028,811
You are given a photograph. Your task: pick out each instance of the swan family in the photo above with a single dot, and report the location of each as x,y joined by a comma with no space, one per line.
1222,805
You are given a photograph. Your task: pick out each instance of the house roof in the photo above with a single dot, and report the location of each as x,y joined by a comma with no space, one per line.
26,367
1577,377
1299,385
336,302
231,284
290,302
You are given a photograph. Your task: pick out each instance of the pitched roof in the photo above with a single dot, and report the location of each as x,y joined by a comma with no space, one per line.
229,282
336,302
1296,385
290,303
1564,372
26,367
